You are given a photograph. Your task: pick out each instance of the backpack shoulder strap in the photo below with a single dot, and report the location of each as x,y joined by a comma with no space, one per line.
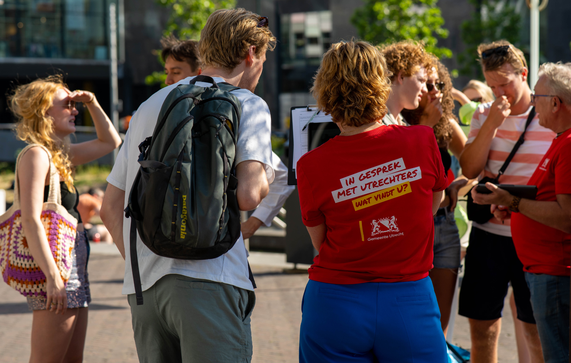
225,86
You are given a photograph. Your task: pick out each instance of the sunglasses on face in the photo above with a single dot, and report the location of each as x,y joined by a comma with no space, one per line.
439,86
477,99
263,22
70,105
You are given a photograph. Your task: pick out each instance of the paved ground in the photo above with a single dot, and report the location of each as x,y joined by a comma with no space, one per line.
275,321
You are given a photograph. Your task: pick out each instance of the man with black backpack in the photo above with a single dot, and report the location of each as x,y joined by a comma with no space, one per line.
195,295
493,152
182,61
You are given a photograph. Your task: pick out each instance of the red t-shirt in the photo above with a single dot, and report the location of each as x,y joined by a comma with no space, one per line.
374,193
542,249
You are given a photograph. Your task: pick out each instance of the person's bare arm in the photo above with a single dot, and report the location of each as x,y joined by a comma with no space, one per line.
460,96
437,198
458,139
475,154
250,226
555,214
107,137
112,215
317,235
32,171
252,184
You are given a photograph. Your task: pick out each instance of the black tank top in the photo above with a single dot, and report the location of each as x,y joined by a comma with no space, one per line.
446,159
69,200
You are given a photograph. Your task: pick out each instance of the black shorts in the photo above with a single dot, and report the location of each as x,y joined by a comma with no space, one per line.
491,264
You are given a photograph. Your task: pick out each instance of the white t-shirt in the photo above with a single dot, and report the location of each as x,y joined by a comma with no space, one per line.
279,191
254,143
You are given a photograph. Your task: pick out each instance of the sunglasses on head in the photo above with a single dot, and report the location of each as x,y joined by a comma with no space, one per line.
263,22
439,86
501,51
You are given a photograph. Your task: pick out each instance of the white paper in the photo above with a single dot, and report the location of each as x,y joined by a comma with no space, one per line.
299,119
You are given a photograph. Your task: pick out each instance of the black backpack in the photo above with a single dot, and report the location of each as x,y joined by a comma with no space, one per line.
183,201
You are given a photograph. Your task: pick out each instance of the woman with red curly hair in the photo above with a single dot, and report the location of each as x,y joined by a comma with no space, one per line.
369,297
407,63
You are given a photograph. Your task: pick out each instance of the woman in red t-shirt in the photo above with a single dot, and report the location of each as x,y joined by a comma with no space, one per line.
367,199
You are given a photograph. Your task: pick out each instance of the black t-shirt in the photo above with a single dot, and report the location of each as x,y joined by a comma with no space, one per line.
69,200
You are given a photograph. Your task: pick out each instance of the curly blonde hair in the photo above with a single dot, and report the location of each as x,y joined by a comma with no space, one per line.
406,57
227,35
352,83
443,129
30,104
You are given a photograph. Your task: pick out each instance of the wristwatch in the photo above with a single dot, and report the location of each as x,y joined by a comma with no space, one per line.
514,206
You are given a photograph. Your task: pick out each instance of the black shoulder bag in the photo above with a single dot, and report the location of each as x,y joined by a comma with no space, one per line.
480,213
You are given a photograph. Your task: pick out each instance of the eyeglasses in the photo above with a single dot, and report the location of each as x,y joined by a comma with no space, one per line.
502,51
439,86
263,22
70,105
534,96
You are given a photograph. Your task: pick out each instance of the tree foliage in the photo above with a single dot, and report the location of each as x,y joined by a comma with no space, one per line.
187,19
389,21
492,20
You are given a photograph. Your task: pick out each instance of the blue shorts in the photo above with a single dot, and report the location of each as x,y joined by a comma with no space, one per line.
371,322
550,301
446,241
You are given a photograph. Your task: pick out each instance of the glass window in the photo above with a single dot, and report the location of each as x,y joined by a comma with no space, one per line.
74,29
305,37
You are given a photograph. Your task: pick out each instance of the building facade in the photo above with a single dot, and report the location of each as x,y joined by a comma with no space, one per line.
71,37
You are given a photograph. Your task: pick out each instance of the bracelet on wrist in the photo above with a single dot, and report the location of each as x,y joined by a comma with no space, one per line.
514,205
91,100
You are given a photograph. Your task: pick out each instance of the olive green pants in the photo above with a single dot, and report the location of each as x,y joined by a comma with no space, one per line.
193,321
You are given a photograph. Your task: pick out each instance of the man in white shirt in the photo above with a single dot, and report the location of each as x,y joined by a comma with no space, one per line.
199,310
181,62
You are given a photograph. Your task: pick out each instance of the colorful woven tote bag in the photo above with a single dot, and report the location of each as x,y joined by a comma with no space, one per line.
17,265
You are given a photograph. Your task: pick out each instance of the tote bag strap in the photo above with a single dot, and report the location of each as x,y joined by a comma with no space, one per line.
54,195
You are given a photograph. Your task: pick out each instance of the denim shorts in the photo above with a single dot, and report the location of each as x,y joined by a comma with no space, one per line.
446,241
550,301
77,287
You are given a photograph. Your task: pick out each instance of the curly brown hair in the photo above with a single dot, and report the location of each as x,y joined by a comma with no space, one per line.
443,129
352,83
406,57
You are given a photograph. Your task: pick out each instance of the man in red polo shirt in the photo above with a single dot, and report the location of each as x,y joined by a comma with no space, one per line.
541,228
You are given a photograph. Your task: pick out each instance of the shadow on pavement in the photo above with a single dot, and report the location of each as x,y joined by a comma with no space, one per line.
22,308
117,281
14,308
96,306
